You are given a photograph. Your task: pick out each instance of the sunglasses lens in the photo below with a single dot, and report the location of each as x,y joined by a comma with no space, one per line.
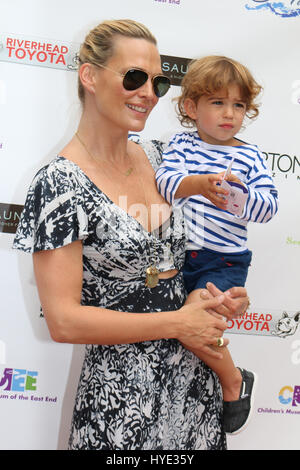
161,84
134,79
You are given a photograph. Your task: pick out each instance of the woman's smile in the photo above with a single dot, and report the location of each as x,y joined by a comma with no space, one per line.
137,108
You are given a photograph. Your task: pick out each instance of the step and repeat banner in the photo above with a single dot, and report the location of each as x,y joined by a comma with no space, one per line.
39,112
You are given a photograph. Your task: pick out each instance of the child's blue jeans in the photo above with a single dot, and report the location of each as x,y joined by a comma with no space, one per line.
224,270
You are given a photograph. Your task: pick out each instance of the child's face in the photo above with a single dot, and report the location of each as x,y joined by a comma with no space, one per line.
219,116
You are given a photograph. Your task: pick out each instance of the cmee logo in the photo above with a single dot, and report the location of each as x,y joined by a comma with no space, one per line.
285,8
290,395
18,380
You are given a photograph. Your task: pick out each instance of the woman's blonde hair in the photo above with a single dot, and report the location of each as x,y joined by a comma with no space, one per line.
210,74
98,46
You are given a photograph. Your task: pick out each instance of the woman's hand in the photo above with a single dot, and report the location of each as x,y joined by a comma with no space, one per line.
200,330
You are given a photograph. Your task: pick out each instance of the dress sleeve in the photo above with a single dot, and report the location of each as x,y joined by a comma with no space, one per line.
54,212
153,149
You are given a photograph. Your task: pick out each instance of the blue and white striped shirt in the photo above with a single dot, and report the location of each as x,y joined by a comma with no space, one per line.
208,226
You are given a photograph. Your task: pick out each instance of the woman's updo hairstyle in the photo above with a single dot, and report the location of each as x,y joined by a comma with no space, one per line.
98,46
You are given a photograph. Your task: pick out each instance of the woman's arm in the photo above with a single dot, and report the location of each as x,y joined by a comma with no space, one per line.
59,280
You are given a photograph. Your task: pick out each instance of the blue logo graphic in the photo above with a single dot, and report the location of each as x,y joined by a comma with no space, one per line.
286,8
18,380
290,395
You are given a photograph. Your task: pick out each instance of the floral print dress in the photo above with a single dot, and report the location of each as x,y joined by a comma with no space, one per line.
147,395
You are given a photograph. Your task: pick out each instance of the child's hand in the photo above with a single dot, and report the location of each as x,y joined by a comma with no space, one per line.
233,178
211,189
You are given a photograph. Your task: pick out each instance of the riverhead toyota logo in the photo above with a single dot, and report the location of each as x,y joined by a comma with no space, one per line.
28,50
276,323
285,8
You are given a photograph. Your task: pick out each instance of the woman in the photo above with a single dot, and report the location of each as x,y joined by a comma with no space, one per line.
108,279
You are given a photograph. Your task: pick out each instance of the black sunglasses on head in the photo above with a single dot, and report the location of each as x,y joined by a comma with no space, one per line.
135,78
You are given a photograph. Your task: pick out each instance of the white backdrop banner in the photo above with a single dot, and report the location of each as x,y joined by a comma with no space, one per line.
39,112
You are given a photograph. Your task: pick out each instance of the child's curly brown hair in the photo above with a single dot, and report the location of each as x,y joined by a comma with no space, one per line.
210,74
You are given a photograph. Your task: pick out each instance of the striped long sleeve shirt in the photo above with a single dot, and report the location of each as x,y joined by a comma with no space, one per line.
208,226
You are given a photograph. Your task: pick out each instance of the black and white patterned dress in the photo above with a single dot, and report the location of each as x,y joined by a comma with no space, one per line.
148,395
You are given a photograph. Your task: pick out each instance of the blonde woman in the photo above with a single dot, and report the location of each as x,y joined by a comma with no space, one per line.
107,255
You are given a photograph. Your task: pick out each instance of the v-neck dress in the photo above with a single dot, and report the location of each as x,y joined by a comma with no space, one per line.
146,395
